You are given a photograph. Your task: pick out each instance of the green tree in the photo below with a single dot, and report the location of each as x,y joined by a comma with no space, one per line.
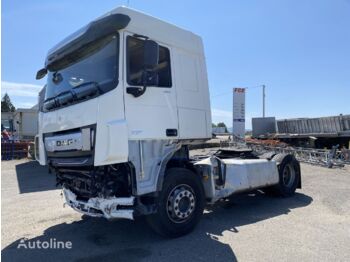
6,104
213,125
222,124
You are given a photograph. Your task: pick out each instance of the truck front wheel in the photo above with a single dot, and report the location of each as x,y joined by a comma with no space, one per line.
180,204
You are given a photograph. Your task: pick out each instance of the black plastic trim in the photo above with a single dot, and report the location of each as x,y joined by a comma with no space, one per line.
72,153
72,161
222,173
171,132
135,91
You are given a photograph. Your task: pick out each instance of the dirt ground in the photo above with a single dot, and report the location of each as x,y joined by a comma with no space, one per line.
314,225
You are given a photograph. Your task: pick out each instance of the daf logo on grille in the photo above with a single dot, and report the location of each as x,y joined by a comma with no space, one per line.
65,142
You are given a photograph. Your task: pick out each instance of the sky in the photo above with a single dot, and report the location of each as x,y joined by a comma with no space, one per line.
299,49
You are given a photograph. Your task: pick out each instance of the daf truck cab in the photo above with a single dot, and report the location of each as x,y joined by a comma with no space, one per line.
126,95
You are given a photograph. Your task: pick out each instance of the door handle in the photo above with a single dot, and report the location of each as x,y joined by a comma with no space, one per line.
136,91
171,132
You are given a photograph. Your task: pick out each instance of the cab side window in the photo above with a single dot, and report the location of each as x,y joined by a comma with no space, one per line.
135,47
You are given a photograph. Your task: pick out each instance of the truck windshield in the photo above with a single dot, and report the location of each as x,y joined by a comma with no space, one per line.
97,64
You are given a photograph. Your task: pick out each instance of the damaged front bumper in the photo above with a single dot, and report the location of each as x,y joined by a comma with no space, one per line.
110,208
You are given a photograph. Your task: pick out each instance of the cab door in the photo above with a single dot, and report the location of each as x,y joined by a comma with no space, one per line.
152,115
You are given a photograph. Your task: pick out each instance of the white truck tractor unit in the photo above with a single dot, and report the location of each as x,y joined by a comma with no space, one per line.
125,97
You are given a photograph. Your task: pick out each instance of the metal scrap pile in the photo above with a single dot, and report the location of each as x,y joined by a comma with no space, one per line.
323,157
266,142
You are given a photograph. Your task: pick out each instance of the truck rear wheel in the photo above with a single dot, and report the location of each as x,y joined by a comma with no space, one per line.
180,204
289,174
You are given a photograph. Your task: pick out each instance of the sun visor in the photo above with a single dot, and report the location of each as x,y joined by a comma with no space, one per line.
95,30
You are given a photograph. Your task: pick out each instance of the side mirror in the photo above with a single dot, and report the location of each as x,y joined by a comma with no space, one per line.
149,74
150,55
41,73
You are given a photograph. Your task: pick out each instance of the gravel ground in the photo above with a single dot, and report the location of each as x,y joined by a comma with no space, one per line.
314,225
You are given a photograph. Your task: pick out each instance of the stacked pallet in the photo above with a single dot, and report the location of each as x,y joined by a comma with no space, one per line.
14,150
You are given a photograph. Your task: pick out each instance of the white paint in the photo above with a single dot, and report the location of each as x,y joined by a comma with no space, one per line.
192,93
187,101
111,128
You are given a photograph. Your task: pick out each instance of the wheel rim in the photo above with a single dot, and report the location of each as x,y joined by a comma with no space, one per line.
288,175
181,203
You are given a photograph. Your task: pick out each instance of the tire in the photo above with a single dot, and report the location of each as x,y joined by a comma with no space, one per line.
289,174
180,204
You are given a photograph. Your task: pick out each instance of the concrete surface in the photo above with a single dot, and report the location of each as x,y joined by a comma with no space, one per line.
314,225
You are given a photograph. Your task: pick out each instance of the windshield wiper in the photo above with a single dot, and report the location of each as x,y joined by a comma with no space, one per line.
85,90
61,99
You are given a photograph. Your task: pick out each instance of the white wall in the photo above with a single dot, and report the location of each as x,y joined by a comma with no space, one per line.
28,123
